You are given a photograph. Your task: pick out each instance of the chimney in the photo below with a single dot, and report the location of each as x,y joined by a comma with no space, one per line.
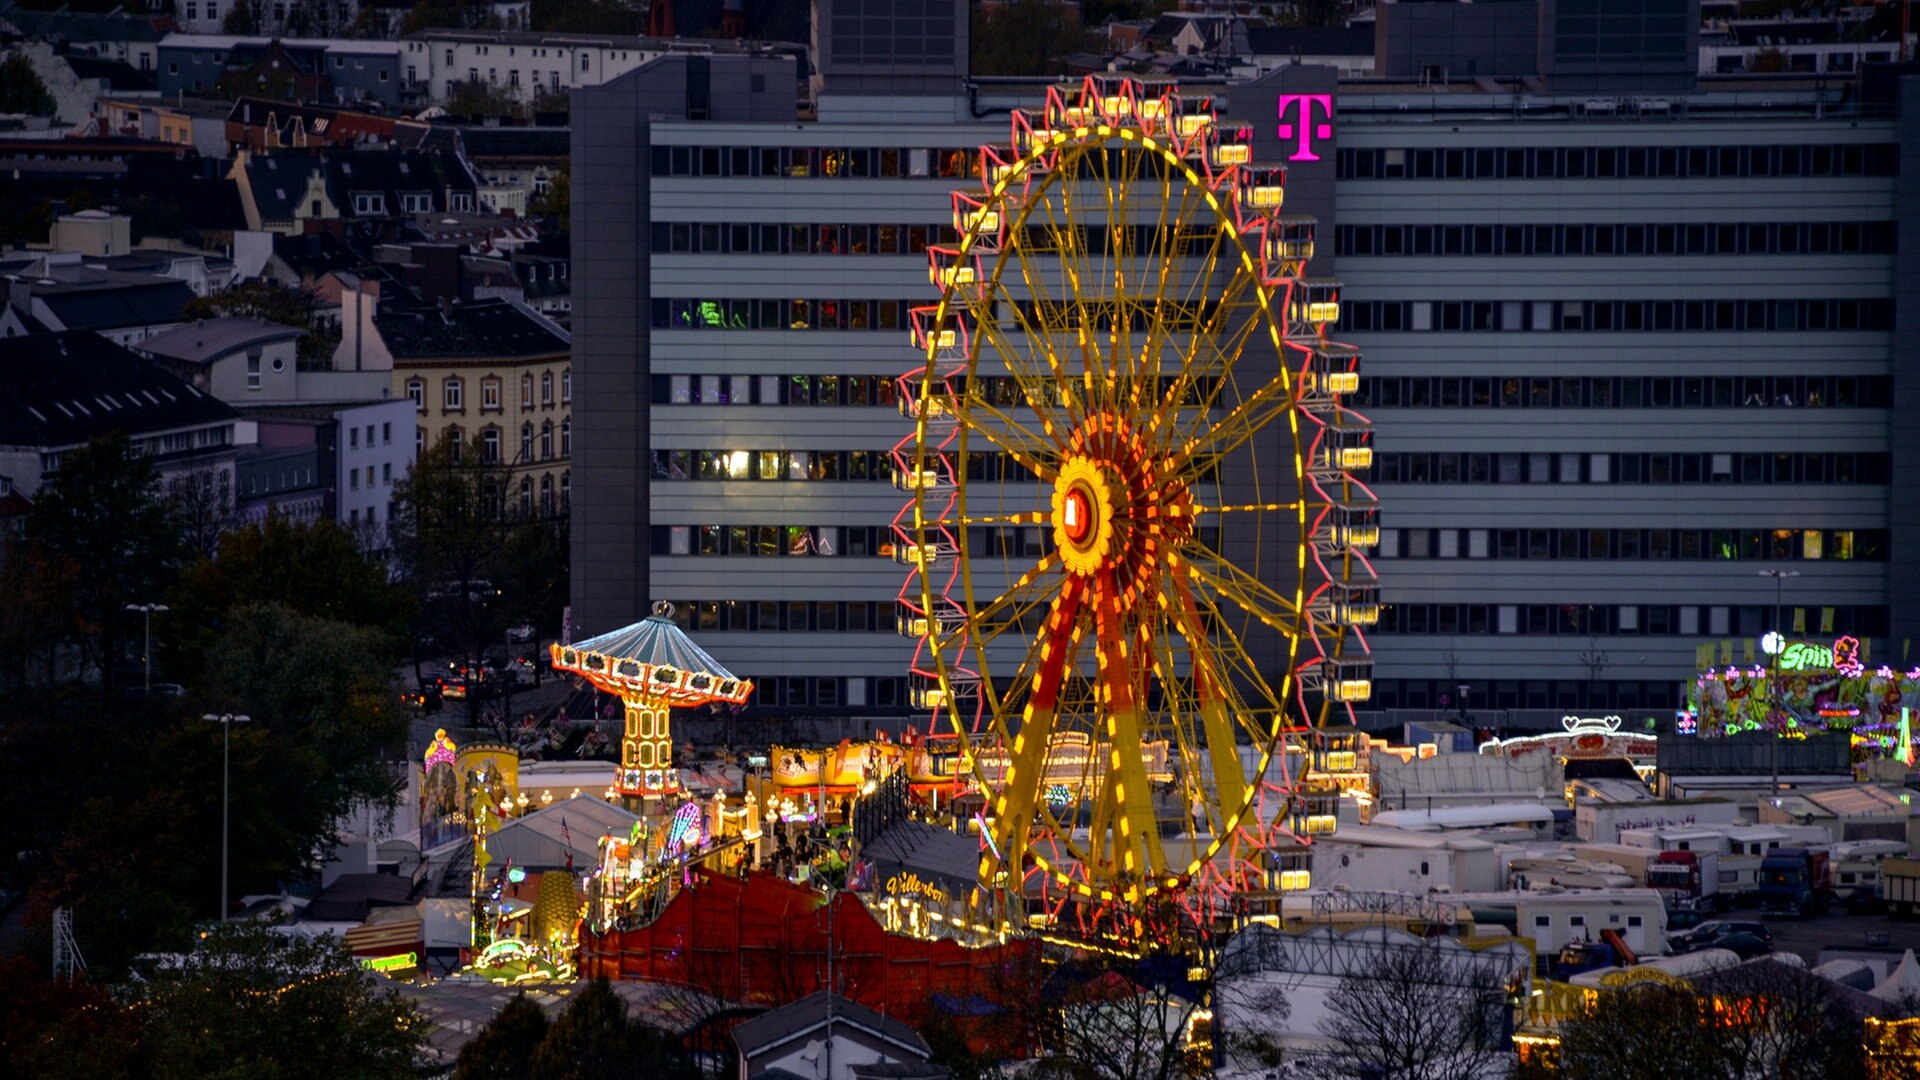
357,310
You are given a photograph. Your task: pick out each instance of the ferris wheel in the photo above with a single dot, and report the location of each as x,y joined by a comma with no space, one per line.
1135,537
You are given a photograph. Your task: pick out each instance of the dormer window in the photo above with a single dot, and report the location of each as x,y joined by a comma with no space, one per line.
365,203
416,203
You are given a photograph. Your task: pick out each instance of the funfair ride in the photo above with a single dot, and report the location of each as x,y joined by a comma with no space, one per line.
1134,531
653,668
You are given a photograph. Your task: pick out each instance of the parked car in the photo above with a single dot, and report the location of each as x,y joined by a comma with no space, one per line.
1745,946
1714,932
520,632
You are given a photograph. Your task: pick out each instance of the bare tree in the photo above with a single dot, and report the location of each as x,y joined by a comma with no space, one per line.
1424,1012
202,505
1786,1022
1108,1027
1250,1005
1646,1029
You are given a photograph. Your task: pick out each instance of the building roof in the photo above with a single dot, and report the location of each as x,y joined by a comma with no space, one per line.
65,388
278,182
1310,40
228,42
316,254
943,854
119,75
391,172
506,142
485,328
789,1022
207,340
352,896
83,26
86,298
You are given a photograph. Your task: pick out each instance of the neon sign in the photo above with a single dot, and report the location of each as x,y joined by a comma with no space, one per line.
688,827
440,751
1306,130
909,884
1806,656
400,962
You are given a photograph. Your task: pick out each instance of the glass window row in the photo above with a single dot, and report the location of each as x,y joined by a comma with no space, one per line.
856,162
772,465
745,238
787,615
775,390
1617,162
1599,693
772,540
1874,313
1611,392
1597,620
1753,238
1422,467
1857,545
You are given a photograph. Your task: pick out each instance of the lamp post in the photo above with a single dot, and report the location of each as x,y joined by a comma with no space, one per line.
1773,644
226,722
146,651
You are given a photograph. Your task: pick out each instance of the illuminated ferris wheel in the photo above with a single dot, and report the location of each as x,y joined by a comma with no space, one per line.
1135,535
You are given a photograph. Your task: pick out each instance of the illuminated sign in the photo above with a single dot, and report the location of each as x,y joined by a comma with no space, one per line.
909,884
1306,130
401,962
1806,656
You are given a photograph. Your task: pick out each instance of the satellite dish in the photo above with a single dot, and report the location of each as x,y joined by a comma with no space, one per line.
812,1051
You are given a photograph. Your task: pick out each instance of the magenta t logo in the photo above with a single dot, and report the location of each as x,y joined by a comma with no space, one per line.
1306,130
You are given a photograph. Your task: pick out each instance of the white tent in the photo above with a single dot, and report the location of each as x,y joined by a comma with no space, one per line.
1902,982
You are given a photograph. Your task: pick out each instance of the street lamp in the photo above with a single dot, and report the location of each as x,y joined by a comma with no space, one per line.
146,652
226,722
1773,644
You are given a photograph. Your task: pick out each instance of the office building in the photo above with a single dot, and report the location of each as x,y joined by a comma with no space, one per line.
1625,348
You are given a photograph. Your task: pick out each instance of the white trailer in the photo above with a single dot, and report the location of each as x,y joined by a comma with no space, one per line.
1689,839
1352,860
1556,919
1631,861
1603,822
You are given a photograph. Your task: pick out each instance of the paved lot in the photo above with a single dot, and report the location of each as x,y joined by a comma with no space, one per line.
1838,934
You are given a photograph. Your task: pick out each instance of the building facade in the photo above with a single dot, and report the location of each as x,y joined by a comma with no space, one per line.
1618,362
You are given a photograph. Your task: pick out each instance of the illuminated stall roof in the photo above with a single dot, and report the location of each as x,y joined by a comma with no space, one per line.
653,658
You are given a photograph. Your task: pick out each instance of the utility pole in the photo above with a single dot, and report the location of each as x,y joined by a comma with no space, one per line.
1773,644
226,722
146,651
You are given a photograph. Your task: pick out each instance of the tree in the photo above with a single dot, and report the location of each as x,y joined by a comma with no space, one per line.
50,1028
1024,37
36,613
279,304
103,513
242,19
324,713
477,98
1646,1029
1417,1012
595,1040
1785,1022
21,90
1318,13
313,568
202,505
504,1049
448,532
251,1001
557,200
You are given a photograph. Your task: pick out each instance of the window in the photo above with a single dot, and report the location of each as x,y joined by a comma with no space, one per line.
490,446
253,371
419,441
546,388
386,433
566,438
490,394
452,395
353,438
526,442
386,473
526,391
546,441
526,496
566,387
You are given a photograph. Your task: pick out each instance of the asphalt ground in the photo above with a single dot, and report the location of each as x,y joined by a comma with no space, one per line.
1838,934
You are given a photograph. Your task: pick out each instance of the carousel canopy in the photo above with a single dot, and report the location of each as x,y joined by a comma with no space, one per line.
653,658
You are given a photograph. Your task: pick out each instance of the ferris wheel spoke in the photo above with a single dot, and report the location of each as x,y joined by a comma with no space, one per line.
1034,383
1208,365
1245,591
1023,787
1139,851
1249,508
1273,399
1012,437
1011,608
